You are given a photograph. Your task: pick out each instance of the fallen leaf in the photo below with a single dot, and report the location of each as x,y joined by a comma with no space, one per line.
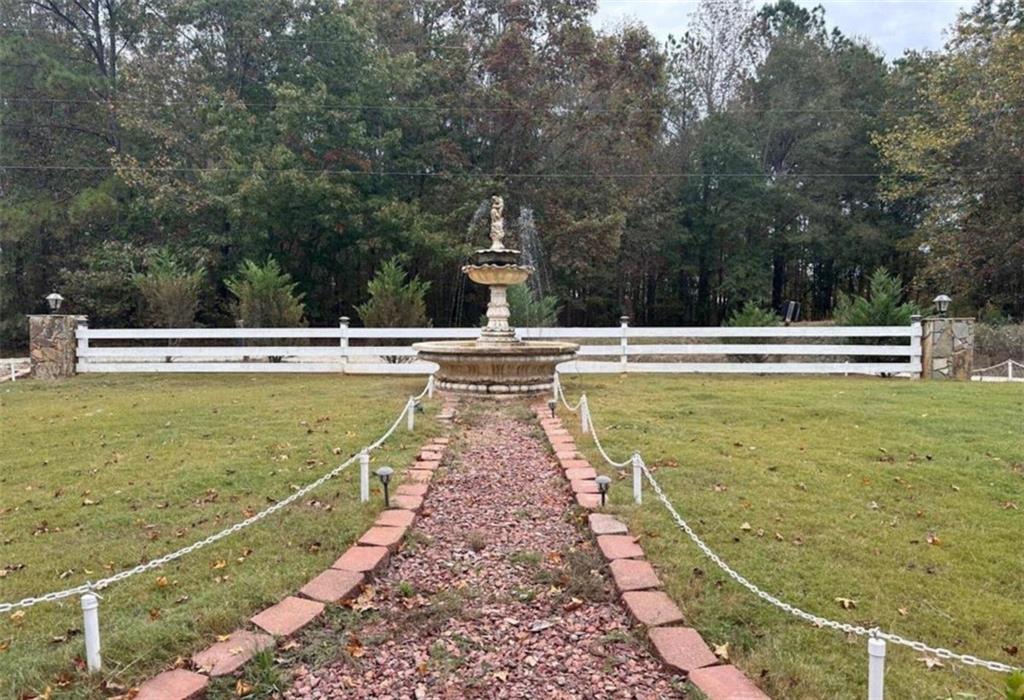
5,645
219,564
243,688
574,604
722,651
161,582
933,539
903,612
223,637
355,647
745,527
17,617
846,603
931,662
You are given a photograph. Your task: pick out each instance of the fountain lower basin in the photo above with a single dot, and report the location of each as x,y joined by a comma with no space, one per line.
506,368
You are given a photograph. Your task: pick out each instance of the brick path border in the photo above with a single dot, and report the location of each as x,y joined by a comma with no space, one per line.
681,648
345,578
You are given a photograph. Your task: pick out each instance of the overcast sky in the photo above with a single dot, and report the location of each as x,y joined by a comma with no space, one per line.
891,25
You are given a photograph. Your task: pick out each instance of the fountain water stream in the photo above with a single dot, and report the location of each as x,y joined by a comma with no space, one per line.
496,363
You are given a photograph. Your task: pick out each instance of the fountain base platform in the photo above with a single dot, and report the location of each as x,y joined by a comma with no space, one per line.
496,368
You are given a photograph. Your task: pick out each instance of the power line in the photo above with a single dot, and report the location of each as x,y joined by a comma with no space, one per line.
488,175
568,108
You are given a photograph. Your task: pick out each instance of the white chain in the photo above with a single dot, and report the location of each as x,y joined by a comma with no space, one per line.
597,440
167,558
816,620
585,406
561,393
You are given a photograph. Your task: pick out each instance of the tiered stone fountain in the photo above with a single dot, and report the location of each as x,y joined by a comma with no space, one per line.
496,363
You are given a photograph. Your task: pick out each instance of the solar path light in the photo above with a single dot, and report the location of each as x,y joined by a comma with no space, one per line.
603,482
384,474
551,407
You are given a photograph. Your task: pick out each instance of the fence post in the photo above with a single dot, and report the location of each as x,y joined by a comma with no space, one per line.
876,668
13,376
343,340
915,344
623,341
91,624
364,476
584,415
410,415
1009,370
638,475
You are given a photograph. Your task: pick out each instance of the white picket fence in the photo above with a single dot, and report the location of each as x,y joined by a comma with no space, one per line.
623,348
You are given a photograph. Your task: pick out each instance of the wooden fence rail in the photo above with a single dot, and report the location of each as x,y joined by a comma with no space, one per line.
811,349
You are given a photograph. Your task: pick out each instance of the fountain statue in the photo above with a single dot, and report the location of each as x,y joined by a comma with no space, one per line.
497,362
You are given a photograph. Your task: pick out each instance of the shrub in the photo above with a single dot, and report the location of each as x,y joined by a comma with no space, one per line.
266,296
529,311
881,307
393,302
752,315
100,284
170,291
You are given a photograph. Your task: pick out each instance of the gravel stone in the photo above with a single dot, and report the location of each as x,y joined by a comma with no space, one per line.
491,614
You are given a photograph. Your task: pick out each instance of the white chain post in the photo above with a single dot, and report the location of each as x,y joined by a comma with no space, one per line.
638,476
364,476
876,668
585,416
410,415
555,386
430,387
12,371
91,623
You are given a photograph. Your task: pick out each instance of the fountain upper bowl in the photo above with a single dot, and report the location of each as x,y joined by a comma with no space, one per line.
498,275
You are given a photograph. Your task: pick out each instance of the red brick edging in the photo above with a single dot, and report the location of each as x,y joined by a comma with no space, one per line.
680,648
343,580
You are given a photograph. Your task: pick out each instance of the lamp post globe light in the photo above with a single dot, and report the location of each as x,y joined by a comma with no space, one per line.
54,300
942,303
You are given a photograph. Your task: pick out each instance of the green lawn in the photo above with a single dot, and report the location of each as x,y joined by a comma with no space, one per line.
824,488
98,474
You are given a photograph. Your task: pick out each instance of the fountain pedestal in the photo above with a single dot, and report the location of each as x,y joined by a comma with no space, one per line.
497,363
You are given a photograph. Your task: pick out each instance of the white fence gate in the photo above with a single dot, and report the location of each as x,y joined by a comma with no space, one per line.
894,350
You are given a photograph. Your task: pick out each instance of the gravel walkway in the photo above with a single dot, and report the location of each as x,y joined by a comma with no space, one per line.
497,594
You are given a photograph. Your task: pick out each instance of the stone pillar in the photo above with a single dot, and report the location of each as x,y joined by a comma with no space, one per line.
947,348
52,345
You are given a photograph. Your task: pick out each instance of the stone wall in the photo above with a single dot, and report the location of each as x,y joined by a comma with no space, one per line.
51,345
947,348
